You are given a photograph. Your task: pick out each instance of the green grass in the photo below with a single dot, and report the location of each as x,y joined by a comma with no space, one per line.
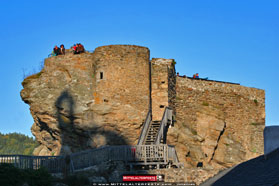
205,103
31,76
194,132
255,124
256,102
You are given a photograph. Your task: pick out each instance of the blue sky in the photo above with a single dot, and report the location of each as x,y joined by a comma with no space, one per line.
235,41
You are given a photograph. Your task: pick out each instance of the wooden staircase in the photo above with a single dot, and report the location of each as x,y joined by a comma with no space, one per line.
152,133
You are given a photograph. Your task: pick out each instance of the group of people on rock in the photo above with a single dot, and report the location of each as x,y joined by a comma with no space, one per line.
58,51
77,49
195,76
177,74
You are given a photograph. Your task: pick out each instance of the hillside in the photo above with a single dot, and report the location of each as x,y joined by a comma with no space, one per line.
16,143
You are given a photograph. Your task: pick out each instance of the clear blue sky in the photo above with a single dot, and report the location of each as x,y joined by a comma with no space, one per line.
235,41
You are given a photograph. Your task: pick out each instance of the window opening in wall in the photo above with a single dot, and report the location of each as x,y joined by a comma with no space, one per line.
101,75
162,106
200,164
162,82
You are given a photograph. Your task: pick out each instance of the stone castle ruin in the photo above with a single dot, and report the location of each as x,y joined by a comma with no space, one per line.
102,98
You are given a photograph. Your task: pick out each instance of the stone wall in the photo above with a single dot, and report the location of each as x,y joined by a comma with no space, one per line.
102,98
124,87
89,100
218,124
163,86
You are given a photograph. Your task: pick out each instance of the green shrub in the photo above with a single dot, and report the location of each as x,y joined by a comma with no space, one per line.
75,180
256,102
10,175
255,124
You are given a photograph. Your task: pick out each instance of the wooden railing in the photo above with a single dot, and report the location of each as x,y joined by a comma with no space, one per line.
138,154
145,128
166,120
52,163
130,155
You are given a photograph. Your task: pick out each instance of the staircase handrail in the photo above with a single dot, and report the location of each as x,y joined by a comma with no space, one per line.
172,155
145,128
163,124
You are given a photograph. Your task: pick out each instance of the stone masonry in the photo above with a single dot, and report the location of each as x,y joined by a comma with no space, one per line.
102,98
162,86
89,100
218,124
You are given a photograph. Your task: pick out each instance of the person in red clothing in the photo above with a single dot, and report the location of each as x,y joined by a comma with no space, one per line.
74,48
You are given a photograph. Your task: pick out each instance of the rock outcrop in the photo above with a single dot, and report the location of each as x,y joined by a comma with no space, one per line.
102,98
89,100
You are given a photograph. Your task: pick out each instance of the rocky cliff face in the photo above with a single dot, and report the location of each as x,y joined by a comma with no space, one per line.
89,100
102,98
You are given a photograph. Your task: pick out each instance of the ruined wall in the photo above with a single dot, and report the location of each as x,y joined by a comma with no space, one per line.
218,124
102,98
124,87
88,100
163,86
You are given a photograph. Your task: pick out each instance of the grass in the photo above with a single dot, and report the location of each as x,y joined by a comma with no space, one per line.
194,132
32,76
256,102
205,103
255,124
35,73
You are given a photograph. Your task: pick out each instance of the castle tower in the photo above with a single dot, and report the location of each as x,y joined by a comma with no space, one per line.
162,86
122,84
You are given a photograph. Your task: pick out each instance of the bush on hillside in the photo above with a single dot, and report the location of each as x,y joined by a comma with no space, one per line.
10,175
